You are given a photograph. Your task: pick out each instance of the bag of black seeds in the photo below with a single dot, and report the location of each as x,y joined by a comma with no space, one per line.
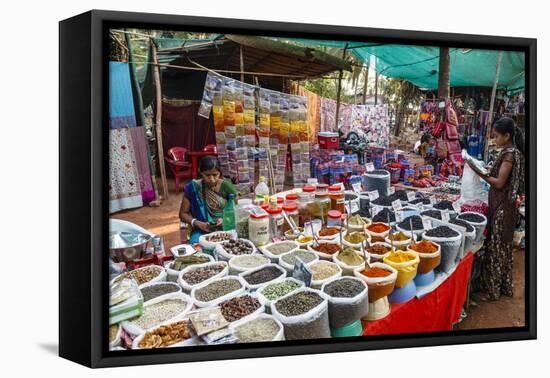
304,314
158,290
200,274
348,300
479,221
450,241
258,277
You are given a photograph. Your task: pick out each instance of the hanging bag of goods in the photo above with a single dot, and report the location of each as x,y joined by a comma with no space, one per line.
348,300
380,279
429,254
449,240
406,264
304,314
196,275
304,140
479,221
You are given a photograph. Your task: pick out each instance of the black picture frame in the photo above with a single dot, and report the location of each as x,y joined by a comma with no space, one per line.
83,196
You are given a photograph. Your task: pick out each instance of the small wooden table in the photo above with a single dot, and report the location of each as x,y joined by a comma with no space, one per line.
197,154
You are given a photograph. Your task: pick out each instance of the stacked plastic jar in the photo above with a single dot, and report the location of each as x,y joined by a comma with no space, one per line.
305,204
337,198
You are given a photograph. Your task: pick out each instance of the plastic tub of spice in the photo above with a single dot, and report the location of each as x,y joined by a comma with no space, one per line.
239,264
348,300
271,291
275,249
218,290
304,314
349,259
201,274
173,268
209,241
400,240
171,335
322,271
355,239
330,233
380,279
143,275
304,240
324,249
288,260
429,254
241,308
255,278
234,247
357,223
159,311
258,328
378,229
378,250
406,264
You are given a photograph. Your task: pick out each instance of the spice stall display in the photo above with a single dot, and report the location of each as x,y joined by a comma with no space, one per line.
355,239
400,240
170,335
304,314
348,302
240,307
324,249
209,241
158,289
378,250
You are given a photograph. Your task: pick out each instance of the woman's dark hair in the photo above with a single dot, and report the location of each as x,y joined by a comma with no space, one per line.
507,125
209,162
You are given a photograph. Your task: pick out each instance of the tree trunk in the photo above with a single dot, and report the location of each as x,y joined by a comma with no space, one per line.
444,82
366,85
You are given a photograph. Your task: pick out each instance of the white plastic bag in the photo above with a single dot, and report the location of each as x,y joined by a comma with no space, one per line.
341,310
163,295
313,324
472,186
258,311
290,267
187,287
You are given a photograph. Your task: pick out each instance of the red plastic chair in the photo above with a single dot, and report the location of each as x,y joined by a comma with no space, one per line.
180,168
210,148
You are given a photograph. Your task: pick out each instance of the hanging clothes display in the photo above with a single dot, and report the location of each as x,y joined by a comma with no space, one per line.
371,122
328,115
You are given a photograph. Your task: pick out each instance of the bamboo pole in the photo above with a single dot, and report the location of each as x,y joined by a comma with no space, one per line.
489,126
339,90
376,88
158,120
242,62
366,85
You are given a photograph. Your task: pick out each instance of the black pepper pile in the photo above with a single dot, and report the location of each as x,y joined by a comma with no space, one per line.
344,288
237,308
444,205
471,217
382,201
263,275
380,172
382,216
299,303
400,195
463,223
237,247
153,291
416,223
432,213
442,232
198,275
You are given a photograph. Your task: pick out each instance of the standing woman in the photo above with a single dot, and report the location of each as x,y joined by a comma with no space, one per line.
505,179
204,199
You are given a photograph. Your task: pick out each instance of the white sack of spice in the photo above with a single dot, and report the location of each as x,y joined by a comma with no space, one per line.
276,249
348,300
217,291
159,311
239,264
255,278
209,241
258,328
201,274
143,275
234,247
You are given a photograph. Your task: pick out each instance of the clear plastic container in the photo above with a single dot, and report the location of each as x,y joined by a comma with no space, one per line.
291,198
241,217
337,198
321,206
276,223
305,204
291,211
334,218
258,228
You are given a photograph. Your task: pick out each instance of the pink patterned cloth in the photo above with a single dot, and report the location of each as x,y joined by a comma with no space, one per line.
142,164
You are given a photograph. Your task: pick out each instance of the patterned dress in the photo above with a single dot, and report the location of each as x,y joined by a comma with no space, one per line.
498,260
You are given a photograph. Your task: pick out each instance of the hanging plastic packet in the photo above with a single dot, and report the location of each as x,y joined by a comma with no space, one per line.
265,118
212,86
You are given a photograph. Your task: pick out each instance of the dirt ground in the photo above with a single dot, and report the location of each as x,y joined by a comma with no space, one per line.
507,312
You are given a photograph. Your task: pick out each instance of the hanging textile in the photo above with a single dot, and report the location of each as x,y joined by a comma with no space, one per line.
124,183
121,101
344,124
142,164
371,122
328,115
313,110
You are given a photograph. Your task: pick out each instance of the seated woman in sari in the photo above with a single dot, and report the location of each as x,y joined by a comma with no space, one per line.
204,199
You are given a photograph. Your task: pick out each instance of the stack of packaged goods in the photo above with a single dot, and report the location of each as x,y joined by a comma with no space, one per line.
249,118
265,123
304,140
229,96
